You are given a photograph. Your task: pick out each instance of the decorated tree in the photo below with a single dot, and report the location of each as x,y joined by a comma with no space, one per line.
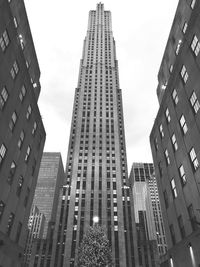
94,250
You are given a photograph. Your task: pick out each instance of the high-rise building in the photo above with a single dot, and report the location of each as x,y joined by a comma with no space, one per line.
96,172
50,180
22,134
48,197
175,137
148,211
35,230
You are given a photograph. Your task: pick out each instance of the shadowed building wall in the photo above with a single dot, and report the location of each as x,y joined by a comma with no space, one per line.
175,137
22,134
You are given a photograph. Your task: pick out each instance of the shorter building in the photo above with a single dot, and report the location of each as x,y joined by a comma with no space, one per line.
35,230
47,197
50,180
147,248
151,234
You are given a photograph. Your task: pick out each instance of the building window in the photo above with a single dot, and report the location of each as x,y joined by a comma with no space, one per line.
167,157
3,150
14,70
183,124
194,102
28,152
195,45
10,223
13,121
193,159
166,199
174,142
173,237
21,139
178,47
167,115
175,97
22,93
184,74
29,111
182,175
161,131
3,98
21,41
15,22
19,229
11,172
185,25
193,3
181,226
160,169
4,41
171,68
26,197
34,128
33,167
19,185
156,144
192,217
173,187
2,208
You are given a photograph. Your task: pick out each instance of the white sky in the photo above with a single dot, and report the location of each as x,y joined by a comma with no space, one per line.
140,29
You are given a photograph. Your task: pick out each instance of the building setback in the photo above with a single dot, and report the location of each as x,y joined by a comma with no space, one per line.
175,137
96,171
22,134
148,215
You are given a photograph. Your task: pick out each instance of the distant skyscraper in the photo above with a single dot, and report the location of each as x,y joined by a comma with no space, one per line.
35,230
175,137
50,180
22,133
48,197
147,205
96,172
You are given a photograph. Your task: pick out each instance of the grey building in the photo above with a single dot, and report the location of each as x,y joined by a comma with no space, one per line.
148,213
175,137
22,134
48,197
96,171
50,180
35,230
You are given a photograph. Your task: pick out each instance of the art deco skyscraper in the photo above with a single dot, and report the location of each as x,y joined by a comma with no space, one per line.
96,171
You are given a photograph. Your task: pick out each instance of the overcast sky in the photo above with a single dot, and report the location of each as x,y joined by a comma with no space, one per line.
140,29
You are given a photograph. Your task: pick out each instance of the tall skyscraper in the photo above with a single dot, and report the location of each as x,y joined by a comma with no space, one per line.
175,136
147,208
50,180
22,134
96,172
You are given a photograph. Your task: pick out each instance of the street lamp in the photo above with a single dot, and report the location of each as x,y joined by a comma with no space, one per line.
95,220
